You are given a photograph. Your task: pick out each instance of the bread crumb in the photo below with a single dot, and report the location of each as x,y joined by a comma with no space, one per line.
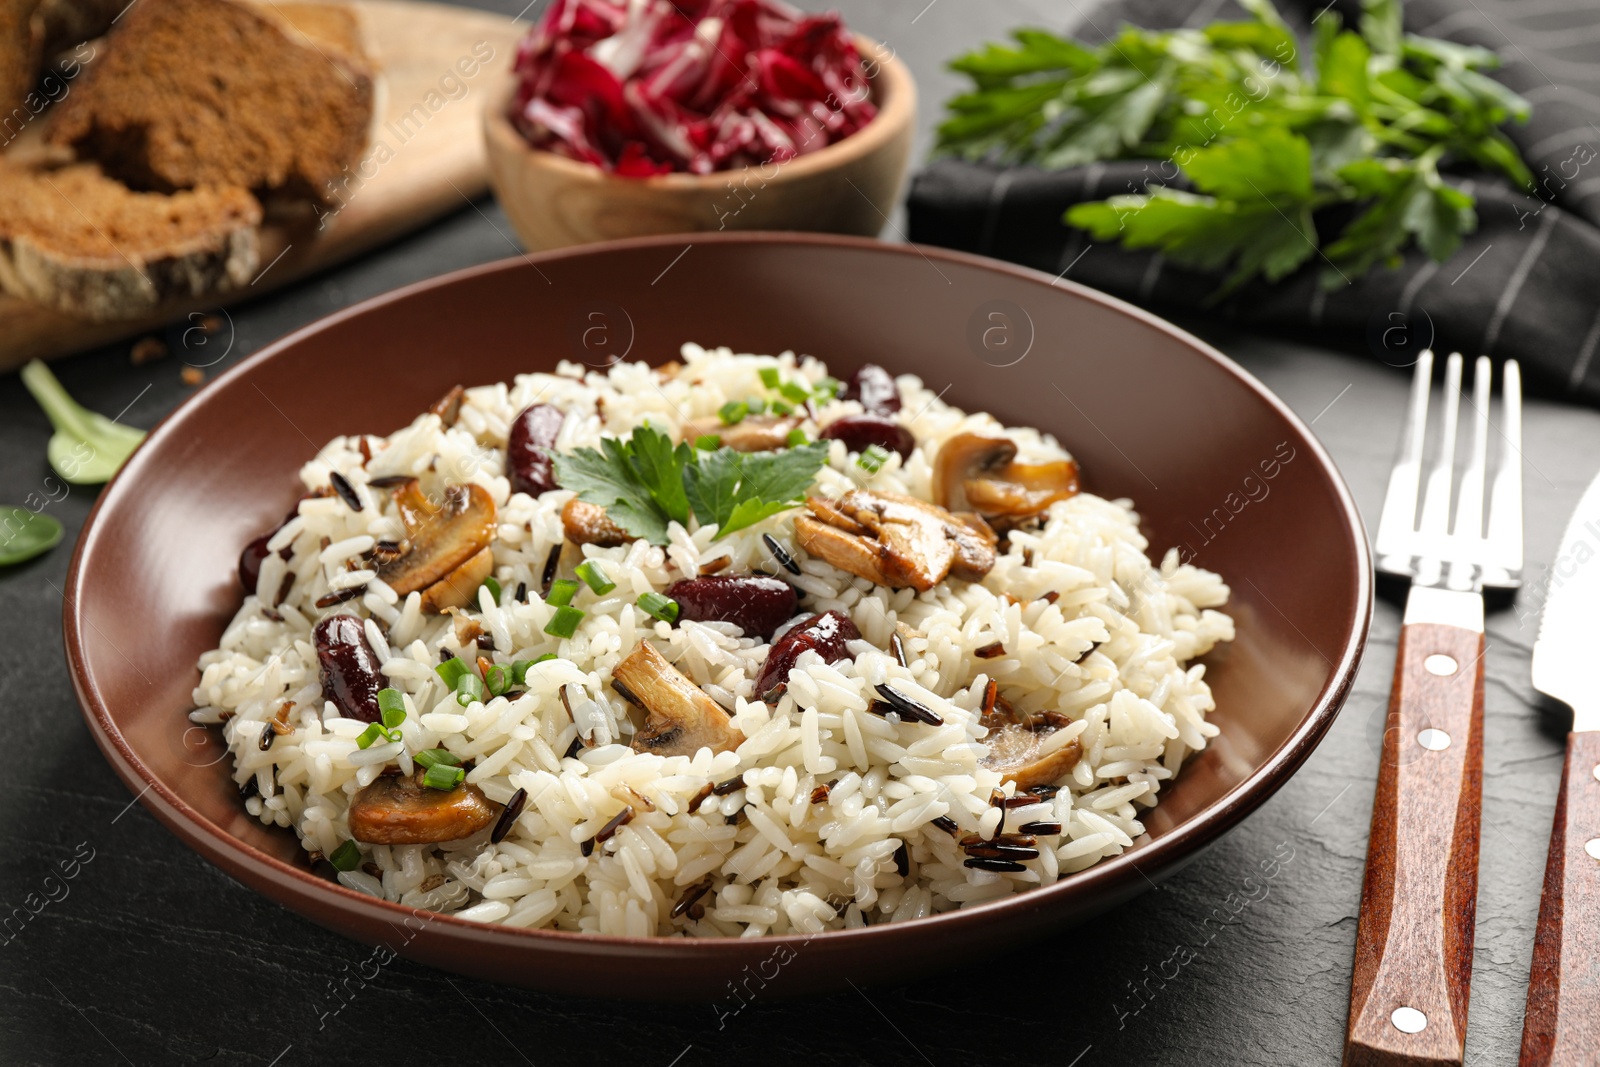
193,375
147,350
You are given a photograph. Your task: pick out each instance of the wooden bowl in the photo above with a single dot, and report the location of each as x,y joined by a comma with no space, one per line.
848,187
1212,459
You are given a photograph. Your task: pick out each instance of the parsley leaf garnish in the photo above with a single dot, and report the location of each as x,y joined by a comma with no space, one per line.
644,482
1266,141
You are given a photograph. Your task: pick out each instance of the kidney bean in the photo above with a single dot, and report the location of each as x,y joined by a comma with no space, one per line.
874,387
529,465
256,551
755,603
825,634
858,432
349,667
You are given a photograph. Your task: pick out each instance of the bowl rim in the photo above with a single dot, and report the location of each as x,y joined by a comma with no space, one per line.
1111,879
896,112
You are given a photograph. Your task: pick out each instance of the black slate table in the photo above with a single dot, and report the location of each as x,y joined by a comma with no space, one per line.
150,955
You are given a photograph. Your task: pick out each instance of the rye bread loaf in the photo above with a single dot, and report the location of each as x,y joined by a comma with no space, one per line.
73,239
222,92
21,54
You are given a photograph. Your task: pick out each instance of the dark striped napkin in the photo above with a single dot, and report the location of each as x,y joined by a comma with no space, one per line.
1525,285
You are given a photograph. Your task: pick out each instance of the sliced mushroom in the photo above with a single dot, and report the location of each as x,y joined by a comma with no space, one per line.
459,588
400,810
683,720
895,540
588,524
753,433
446,545
980,473
1016,746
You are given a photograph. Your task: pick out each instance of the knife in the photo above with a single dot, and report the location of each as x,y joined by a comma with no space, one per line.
1562,1022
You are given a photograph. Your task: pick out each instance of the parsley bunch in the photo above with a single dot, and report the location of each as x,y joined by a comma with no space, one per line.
644,482
1267,142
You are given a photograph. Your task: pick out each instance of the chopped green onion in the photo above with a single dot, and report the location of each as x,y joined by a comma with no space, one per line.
443,776
497,678
391,703
369,735
562,590
546,657
827,389
434,757
708,442
733,412
780,407
469,689
872,458
770,377
564,623
795,391
659,606
594,577
494,588
797,437
347,857
756,405
451,670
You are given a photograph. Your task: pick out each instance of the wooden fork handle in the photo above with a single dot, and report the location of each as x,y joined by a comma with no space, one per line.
1562,1024
1414,936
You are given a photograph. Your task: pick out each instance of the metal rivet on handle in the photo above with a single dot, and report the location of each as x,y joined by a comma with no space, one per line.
1593,847
1409,1020
1440,664
1433,740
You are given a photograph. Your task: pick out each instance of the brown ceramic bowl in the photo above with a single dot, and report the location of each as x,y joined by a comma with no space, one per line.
846,187
1151,413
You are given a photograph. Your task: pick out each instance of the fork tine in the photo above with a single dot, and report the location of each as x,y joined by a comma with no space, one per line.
1469,518
1505,506
1398,521
1436,496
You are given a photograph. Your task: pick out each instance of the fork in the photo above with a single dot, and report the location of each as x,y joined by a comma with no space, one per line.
1413,962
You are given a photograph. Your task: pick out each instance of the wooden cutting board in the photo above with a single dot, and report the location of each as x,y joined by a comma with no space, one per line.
425,159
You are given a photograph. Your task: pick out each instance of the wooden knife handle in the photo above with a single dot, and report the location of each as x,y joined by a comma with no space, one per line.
1414,937
1562,1025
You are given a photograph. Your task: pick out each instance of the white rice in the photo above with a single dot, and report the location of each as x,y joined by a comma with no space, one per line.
1111,653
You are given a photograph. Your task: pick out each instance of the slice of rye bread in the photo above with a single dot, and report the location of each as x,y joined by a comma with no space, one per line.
75,240
222,92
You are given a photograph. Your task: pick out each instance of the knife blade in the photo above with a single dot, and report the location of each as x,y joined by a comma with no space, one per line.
1569,624
1561,1024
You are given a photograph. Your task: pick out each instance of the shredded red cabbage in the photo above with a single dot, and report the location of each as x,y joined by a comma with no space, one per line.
645,87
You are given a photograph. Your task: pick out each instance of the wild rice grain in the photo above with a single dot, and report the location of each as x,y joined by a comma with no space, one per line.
779,554
551,562
898,647
690,897
346,491
508,817
339,596
907,708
